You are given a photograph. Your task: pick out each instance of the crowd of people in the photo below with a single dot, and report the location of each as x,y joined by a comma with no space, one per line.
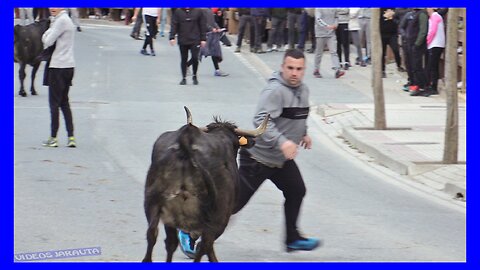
419,32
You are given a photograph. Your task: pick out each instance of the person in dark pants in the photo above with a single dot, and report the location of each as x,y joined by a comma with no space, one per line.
260,16
244,19
59,74
190,27
151,17
418,45
285,99
389,35
403,26
435,46
343,36
307,30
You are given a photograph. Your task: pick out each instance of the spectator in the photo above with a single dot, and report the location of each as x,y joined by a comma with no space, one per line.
326,21
403,29
418,43
342,34
307,30
260,16
435,46
364,18
294,25
244,19
138,19
354,29
275,36
163,22
389,35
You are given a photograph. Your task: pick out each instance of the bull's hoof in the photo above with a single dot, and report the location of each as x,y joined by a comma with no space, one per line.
22,93
34,93
146,260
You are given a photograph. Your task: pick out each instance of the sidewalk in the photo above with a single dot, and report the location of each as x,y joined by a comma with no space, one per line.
412,146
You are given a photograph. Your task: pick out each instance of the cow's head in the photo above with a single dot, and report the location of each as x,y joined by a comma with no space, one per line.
243,138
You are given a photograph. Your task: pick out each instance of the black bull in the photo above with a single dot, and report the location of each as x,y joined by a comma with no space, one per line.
191,183
28,46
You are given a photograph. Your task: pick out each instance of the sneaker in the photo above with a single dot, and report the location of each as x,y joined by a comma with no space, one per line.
51,142
71,142
317,74
401,69
303,244
183,81
269,50
346,65
413,88
406,87
144,52
237,50
339,74
419,93
187,244
384,74
195,81
311,50
363,64
153,53
220,73
274,48
79,29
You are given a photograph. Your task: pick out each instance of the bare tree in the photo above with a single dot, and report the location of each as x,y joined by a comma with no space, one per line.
450,150
377,83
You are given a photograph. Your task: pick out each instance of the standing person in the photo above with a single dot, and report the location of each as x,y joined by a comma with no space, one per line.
418,43
73,12
151,17
354,29
326,21
138,19
60,71
364,17
342,34
260,16
294,25
389,35
163,22
275,37
26,16
190,27
403,29
435,46
244,19
307,30
285,99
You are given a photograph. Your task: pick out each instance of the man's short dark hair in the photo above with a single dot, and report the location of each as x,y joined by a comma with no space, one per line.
295,53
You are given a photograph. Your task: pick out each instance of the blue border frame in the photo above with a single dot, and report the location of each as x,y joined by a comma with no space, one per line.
6,197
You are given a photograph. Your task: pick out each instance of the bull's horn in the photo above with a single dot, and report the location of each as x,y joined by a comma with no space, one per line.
254,133
189,115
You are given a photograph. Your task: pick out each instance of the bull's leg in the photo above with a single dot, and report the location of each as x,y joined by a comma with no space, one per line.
153,218
206,247
171,242
34,72
21,74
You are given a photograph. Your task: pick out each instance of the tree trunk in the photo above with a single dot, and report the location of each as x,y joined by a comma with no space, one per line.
379,100
450,151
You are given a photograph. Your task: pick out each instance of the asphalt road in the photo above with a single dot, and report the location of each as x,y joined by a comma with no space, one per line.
92,196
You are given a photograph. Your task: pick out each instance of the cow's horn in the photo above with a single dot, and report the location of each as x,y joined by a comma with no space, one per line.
254,133
189,115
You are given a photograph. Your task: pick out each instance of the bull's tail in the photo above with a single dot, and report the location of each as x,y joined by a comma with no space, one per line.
187,143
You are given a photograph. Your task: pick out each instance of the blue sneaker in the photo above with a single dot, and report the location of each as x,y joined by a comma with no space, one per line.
187,244
303,244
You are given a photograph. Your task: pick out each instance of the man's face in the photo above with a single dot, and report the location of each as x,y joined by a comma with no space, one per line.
293,70
55,11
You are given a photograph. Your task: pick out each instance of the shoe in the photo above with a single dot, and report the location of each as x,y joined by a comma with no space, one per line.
346,66
401,69
252,50
419,92
363,64
269,50
413,88
51,142
220,73
152,53
187,245
259,51
237,50
311,50
183,81
144,52
71,142
317,74
79,29
384,74
195,81
339,73
274,48
406,87
303,244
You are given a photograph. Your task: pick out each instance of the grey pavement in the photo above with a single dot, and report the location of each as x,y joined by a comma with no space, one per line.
412,146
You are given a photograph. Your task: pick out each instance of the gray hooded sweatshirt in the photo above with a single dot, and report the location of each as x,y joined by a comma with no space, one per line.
288,108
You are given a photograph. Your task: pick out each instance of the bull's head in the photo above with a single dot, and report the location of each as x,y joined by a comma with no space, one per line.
244,136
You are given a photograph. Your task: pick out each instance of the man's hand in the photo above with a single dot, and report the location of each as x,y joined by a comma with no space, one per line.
289,149
306,142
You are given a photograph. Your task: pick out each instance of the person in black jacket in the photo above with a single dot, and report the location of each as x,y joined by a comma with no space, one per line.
389,34
190,27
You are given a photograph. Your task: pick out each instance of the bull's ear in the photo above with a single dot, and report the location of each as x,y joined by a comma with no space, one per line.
246,142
